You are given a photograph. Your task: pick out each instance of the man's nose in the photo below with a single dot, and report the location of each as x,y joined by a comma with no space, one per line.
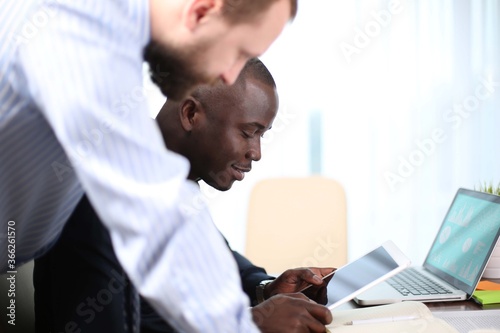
254,153
230,76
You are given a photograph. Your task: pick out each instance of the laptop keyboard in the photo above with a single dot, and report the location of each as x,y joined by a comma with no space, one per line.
411,282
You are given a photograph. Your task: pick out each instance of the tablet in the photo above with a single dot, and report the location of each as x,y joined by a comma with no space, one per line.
363,273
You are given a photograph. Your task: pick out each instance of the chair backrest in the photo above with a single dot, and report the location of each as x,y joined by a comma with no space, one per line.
297,222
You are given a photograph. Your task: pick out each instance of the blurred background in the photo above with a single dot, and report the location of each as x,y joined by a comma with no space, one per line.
399,101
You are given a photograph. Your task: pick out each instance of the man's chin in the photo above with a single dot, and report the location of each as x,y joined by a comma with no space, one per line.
222,187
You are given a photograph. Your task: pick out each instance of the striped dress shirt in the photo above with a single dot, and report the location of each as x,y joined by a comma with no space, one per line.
73,118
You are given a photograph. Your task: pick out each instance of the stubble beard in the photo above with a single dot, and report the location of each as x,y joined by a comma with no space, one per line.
175,72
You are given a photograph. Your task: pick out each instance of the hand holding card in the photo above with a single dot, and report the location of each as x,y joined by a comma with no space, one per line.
319,292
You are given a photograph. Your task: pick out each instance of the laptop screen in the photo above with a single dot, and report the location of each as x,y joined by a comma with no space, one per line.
466,239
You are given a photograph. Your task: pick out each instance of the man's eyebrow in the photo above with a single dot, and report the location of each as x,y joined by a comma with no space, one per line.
258,125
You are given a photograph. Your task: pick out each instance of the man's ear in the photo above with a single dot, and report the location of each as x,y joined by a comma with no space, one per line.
190,113
196,11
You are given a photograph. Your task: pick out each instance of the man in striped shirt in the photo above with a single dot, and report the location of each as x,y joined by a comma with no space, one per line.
73,119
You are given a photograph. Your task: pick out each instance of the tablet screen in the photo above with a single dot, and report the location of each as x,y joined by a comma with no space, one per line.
349,280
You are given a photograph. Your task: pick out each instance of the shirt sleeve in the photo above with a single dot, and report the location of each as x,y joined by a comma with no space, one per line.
250,274
84,73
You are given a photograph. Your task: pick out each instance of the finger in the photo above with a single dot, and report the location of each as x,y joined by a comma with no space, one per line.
311,316
307,275
322,271
315,316
312,324
320,313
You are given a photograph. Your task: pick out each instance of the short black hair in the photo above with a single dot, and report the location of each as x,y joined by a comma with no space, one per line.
256,69
253,69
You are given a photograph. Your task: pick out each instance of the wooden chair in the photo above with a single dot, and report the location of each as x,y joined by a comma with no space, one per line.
297,222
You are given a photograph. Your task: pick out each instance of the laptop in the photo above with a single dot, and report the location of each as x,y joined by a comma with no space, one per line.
456,260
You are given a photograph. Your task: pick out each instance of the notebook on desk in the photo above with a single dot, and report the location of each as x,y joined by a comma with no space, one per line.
456,260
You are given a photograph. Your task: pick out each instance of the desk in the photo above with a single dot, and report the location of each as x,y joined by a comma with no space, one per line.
464,316
467,305
454,306
433,306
